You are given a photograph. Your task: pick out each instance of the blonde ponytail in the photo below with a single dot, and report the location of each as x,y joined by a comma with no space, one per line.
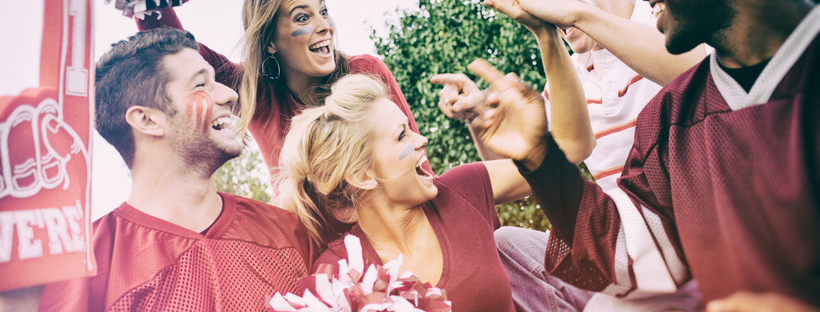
324,146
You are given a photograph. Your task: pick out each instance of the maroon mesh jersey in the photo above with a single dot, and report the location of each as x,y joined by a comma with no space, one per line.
727,186
463,217
147,264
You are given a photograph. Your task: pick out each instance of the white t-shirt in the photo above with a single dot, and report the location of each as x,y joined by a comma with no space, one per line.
615,95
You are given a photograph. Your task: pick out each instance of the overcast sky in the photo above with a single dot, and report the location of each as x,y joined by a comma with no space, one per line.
216,23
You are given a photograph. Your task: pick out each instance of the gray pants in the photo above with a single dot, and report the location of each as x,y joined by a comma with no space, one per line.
522,253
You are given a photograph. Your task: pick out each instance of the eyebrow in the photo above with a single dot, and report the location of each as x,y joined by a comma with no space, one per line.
398,130
304,6
203,71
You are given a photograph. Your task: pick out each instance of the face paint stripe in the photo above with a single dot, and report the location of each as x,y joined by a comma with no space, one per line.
203,118
199,109
408,149
304,30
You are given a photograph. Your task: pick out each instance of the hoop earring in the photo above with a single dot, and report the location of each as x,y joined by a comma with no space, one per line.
265,72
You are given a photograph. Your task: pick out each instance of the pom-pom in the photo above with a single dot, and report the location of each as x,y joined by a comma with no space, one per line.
141,8
348,287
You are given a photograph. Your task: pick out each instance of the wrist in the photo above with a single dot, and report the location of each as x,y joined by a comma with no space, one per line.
585,15
535,157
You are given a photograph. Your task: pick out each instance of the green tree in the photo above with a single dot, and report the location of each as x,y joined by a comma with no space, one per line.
245,175
443,36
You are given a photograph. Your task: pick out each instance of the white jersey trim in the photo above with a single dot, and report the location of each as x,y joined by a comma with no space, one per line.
778,66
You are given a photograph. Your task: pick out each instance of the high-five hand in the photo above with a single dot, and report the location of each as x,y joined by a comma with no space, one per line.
460,98
517,126
562,13
512,8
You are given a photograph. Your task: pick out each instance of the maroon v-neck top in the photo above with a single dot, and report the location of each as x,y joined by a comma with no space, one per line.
463,217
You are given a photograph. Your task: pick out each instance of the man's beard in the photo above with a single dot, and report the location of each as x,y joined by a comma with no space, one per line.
202,153
696,22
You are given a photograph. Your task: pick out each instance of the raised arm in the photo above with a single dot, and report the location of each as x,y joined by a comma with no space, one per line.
461,98
641,47
226,72
570,127
589,246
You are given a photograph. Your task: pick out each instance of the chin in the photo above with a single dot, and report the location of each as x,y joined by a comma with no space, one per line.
680,44
433,192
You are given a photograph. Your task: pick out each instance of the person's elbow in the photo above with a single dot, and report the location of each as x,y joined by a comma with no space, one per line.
580,151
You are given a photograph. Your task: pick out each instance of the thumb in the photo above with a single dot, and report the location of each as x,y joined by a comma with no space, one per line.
500,6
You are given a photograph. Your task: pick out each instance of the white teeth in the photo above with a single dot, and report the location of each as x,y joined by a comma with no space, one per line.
319,45
658,9
421,161
221,123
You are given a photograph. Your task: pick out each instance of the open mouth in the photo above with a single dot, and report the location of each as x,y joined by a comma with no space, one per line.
419,170
221,123
322,47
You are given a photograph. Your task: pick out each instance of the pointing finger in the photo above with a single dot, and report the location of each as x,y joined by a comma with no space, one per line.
445,79
483,69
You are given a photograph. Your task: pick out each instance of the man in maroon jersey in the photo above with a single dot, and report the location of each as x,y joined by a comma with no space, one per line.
177,244
725,168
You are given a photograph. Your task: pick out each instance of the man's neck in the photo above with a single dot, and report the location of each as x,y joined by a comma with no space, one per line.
758,31
181,197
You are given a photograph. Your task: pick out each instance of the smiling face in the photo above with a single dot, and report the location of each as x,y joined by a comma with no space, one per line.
688,23
303,42
201,131
398,154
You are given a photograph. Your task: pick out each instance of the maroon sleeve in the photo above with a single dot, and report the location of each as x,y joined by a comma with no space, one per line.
367,64
585,222
226,72
588,244
472,181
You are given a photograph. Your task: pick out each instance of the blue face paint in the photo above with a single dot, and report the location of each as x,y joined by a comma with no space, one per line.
330,21
304,30
406,152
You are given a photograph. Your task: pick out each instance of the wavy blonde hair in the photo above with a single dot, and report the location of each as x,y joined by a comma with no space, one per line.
326,145
259,19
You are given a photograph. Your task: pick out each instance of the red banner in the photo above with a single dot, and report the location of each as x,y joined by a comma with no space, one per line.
45,157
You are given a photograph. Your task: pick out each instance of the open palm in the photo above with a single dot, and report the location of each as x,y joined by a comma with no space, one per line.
516,126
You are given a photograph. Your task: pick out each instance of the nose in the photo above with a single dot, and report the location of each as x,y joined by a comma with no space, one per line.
224,96
420,141
324,25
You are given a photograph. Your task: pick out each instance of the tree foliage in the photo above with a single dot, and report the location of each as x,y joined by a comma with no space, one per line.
443,36
245,176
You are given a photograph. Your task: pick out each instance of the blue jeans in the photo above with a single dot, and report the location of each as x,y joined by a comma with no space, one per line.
522,253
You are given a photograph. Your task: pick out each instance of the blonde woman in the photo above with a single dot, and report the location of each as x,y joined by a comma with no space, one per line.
290,53
356,159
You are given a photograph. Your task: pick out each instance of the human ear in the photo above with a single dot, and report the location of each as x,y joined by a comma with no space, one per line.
145,120
365,182
272,48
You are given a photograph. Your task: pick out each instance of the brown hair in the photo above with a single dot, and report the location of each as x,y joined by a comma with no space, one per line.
130,74
259,19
